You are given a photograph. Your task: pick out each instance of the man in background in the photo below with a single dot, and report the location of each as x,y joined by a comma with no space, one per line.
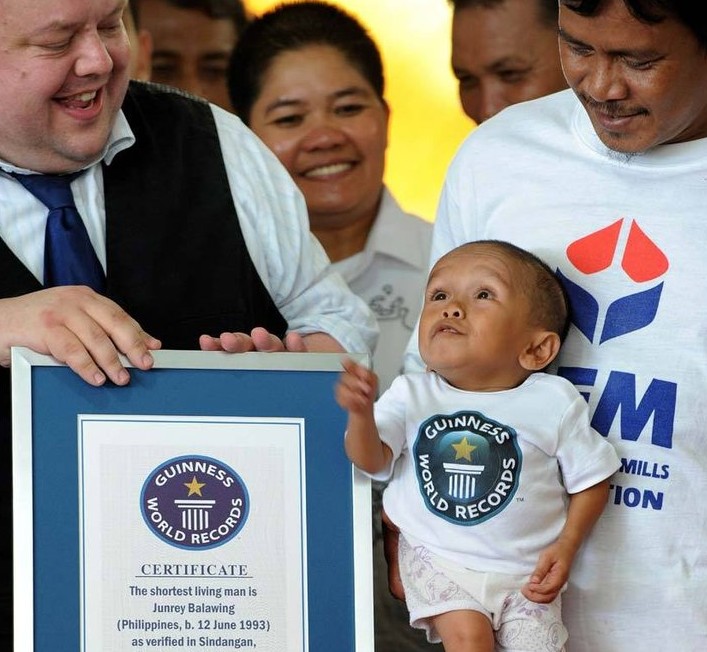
140,44
192,42
504,52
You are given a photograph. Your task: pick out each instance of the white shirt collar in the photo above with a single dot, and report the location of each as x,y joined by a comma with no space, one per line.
121,137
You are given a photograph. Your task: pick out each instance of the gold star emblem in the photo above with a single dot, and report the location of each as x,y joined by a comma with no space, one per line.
194,487
463,449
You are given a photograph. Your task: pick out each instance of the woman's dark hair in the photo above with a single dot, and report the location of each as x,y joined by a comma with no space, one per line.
690,13
293,26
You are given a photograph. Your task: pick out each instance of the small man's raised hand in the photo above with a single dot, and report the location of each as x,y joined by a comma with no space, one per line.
357,388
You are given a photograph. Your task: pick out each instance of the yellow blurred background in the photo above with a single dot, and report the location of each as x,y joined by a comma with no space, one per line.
427,124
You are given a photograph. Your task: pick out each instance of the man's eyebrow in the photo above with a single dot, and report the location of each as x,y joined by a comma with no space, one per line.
214,56
644,53
64,26
495,67
569,38
55,26
165,53
507,62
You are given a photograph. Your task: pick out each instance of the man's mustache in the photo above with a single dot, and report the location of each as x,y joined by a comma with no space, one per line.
613,108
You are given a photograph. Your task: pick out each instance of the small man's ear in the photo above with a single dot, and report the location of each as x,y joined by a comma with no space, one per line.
540,351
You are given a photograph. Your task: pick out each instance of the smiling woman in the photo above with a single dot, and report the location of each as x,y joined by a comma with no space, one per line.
328,126
428,124
308,80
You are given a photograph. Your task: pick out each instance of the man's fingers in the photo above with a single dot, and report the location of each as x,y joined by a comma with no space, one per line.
209,343
295,343
66,347
350,366
105,331
126,334
79,327
260,339
265,341
235,343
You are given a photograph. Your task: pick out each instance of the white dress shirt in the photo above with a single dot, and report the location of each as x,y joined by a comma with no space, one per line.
272,215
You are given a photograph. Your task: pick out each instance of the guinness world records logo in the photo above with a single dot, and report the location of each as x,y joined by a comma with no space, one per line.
467,466
194,502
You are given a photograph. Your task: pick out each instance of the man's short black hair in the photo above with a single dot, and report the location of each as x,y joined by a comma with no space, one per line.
548,8
134,10
233,9
690,13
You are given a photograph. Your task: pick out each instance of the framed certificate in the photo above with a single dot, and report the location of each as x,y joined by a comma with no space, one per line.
208,505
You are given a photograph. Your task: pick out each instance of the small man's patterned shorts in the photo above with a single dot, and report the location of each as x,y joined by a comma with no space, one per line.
519,624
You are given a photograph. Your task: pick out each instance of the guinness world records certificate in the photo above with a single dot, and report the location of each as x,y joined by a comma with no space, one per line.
208,505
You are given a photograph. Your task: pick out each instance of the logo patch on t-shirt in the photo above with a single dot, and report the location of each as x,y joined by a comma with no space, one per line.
622,244
467,466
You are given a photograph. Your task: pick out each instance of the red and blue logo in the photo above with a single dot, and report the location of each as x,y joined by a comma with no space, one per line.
624,253
641,260
632,267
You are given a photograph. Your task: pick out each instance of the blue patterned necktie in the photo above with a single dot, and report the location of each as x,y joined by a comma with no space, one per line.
69,256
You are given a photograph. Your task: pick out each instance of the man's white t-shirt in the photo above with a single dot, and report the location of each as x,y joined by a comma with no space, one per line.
628,235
